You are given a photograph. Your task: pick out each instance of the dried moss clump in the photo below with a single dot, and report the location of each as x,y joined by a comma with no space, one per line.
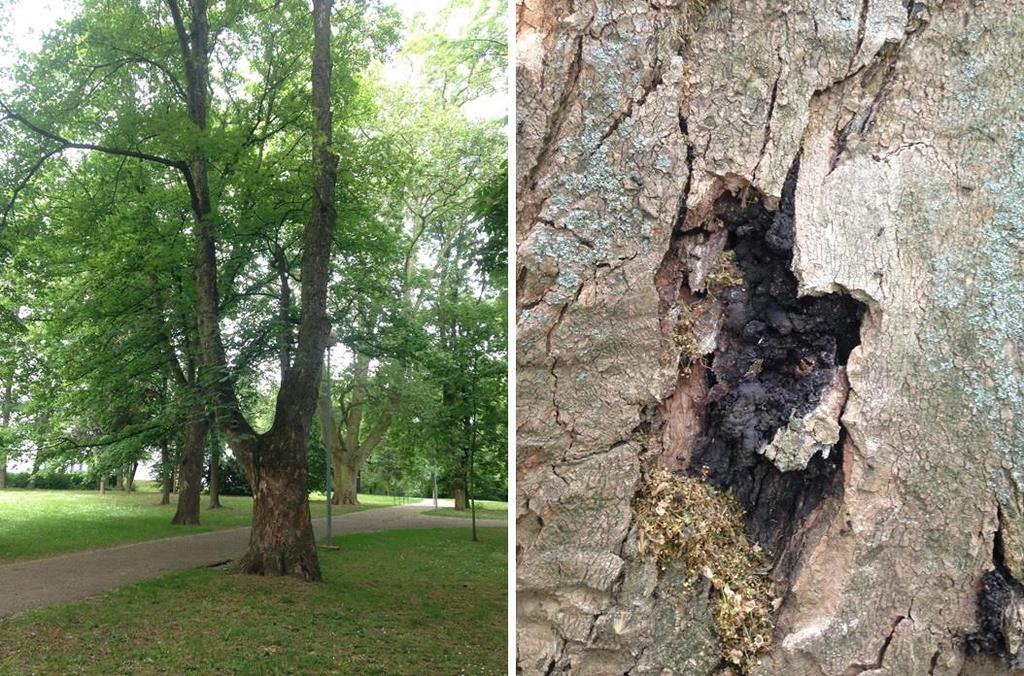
685,339
686,518
725,274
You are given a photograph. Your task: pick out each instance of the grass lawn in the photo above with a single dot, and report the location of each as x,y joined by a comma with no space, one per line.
42,522
400,602
485,509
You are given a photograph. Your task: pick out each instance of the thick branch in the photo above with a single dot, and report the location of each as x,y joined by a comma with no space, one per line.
69,144
297,398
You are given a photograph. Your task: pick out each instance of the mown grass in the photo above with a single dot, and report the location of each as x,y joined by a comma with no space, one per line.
37,523
400,602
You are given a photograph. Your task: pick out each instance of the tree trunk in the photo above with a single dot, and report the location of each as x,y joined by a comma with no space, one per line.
215,453
345,491
282,541
35,470
459,493
433,476
335,473
130,477
166,475
349,448
103,484
191,478
274,462
778,250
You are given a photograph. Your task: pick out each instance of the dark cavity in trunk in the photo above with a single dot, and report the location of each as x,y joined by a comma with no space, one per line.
775,356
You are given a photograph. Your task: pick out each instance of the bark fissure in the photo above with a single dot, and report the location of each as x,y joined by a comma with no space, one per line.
558,115
648,89
858,668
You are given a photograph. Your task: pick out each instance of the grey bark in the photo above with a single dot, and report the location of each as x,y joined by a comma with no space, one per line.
634,119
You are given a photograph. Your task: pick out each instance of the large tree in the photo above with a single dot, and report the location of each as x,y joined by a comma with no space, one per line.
774,248
210,98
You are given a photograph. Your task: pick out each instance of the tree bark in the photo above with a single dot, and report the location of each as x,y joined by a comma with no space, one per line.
132,470
459,493
191,478
282,540
166,475
652,139
215,453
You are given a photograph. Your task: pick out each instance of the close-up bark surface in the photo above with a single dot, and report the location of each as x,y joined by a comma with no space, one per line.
776,246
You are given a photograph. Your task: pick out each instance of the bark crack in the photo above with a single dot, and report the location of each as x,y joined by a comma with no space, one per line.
768,120
861,667
861,28
560,112
648,89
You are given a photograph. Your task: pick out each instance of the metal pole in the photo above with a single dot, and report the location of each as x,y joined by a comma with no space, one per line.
328,440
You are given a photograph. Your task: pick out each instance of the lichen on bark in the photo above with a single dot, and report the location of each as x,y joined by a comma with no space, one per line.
634,119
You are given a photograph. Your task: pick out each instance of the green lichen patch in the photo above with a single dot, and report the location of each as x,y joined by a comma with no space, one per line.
688,519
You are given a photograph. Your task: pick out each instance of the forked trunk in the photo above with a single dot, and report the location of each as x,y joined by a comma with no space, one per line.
282,541
192,472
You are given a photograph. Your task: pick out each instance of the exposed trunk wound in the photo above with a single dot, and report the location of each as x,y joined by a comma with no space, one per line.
778,358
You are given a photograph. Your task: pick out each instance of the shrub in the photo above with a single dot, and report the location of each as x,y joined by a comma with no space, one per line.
52,480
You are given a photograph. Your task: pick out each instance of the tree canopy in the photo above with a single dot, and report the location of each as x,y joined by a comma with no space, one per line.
130,163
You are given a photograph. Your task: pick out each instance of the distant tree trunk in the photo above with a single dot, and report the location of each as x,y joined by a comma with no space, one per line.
433,476
5,420
35,470
191,485
459,493
349,449
130,482
166,474
215,453
345,489
102,481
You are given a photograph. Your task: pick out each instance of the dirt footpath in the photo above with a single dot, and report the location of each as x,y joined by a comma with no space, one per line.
41,582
